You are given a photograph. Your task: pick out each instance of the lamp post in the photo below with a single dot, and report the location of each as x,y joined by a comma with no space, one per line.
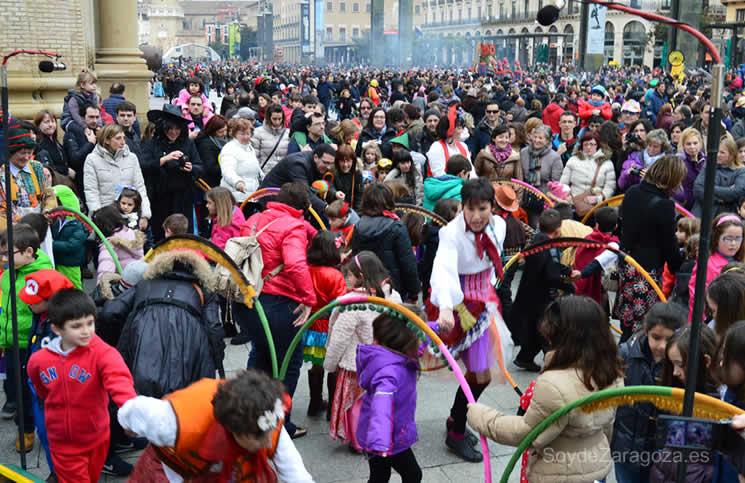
44,66
548,15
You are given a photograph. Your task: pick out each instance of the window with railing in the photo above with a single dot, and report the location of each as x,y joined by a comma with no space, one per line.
740,15
329,33
342,7
470,13
356,8
355,33
329,6
501,10
342,34
417,11
526,7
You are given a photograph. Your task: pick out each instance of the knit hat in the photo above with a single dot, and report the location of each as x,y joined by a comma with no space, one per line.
403,140
133,273
19,138
599,90
42,284
431,112
320,186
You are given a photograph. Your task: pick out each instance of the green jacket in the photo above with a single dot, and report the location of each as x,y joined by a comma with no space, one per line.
24,312
69,234
445,186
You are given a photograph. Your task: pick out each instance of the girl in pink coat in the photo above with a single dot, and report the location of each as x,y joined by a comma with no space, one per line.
227,219
726,246
193,86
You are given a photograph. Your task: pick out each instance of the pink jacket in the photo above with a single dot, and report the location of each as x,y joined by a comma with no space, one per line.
127,244
286,241
183,101
715,265
221,234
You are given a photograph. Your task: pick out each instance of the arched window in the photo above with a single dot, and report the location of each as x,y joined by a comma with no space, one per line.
569,43
610,42
634,35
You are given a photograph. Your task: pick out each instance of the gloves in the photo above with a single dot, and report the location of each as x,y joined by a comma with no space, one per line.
467,321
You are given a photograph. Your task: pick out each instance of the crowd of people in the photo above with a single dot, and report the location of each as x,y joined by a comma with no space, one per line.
507,163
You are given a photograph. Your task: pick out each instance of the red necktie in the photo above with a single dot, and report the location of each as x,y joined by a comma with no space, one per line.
483,242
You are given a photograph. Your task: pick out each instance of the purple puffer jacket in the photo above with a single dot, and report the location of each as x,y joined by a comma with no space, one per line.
694,168
386,425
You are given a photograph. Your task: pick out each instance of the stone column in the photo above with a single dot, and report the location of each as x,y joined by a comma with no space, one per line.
118,58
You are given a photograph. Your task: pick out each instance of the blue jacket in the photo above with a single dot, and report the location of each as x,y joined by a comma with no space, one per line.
386,425
634,428
441,187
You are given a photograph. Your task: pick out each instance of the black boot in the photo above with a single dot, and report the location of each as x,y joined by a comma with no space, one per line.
315,383
331,388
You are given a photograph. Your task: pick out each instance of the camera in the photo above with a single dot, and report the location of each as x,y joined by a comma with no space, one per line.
183,160
682,433
633,138
635,170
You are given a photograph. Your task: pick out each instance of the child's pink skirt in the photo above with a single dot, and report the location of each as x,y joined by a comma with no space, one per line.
345,410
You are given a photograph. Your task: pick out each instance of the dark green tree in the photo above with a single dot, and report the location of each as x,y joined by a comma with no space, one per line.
220,48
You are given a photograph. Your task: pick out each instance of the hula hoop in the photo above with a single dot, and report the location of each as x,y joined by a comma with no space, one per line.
668,398
423,328
579,242
430,215
218,255
529,187
263,192
258,194
61,211
616,200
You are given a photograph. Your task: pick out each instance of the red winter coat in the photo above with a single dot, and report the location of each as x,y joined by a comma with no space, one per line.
329,285
585,111
75,390
591,286
551,115
286,241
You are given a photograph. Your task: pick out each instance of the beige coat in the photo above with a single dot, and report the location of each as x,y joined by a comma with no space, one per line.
486,165
575,449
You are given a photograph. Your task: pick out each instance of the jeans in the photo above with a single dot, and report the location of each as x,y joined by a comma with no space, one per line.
278,311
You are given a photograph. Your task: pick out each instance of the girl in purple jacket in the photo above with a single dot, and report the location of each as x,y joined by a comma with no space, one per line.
388,371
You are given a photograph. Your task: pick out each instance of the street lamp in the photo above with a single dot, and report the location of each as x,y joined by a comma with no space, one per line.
44,66
548,15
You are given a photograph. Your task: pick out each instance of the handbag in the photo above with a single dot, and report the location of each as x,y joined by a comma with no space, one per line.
581,205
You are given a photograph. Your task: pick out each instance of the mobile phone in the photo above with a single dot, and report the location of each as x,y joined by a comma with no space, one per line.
698,434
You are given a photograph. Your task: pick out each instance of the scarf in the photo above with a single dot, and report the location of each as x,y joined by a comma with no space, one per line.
596,103
533,176
500,156
649,160
484,243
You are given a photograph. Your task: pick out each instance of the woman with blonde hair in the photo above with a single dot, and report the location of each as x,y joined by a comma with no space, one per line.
345,132
691,151
729,184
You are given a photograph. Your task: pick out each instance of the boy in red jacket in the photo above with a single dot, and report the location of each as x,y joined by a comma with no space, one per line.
596,105
74,376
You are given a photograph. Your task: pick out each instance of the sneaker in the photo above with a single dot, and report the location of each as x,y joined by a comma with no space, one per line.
28,442
130,444
463,449
116,466
527,366
8,411
469,436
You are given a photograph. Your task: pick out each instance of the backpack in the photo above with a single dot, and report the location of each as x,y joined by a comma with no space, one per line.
245,251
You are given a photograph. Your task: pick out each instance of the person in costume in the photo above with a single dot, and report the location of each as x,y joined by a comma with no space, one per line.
324,255
465,270
591,261
216,431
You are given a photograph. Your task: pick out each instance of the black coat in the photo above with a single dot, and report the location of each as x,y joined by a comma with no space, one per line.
209,148
369,134
77,148
171,337
389,240
542,275
298,167
169,188
634,428
648,227
56,154
351,185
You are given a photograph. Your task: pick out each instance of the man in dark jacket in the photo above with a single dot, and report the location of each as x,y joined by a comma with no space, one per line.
324,91
116,95
172,334
481,136
306,167
79,143
125,117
